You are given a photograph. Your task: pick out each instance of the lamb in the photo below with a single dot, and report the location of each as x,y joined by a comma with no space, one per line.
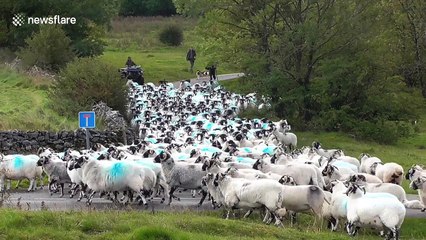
383,211
419,184
180,174
390,188
287,139
388,172
56,170
366,162
17,167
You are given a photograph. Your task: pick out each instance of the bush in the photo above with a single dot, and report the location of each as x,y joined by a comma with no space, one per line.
85,82
171,35
48,49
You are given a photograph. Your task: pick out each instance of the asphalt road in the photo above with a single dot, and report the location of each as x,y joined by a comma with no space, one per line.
35,200
221,77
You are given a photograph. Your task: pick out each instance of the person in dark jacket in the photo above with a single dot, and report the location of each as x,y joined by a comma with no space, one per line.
190,56
212,71
130,62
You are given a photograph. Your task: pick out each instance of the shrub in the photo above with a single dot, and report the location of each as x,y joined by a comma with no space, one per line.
84,82
171,35
49,49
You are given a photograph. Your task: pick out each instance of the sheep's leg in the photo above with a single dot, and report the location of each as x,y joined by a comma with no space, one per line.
83,188
172,190
193,193
62,190
267,217
8,184
17,184
31,187
143,198
293,218
2,183
90,198
202,198
248,213
165,188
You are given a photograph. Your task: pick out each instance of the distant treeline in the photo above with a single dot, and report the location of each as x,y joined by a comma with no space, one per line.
147,8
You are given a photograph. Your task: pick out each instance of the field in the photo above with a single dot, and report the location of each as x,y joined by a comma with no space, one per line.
18,224
137,37
25,105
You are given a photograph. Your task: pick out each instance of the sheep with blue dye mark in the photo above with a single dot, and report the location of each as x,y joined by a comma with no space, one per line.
113,176
382,211
181,174
17,167
390,188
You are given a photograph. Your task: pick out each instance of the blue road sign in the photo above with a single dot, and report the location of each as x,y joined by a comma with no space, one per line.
86,119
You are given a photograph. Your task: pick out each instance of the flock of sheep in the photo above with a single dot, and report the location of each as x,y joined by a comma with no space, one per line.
191,138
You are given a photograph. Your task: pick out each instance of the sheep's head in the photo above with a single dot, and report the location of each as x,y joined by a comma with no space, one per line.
207,165
355,189
231,171
363,156
162,157
219,178
418,183
329,170
287,180
206,179
149,153
356,178
316,145
410,173
43,160
133,149
201,159
259,164
373,167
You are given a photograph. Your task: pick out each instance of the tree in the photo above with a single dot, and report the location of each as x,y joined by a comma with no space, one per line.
147,8
410,18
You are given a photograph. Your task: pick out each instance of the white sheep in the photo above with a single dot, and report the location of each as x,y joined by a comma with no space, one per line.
241,193
390,188
17,167
366,162
181,174
287,139
56,169
304,174
382,211
419,184
110,176
388,172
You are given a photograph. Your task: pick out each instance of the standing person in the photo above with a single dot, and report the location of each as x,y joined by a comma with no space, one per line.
212,72
190,56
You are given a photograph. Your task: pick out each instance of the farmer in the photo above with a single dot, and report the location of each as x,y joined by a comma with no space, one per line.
130,62
212,71
190,56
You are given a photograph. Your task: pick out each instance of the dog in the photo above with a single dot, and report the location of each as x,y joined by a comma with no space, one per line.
201,74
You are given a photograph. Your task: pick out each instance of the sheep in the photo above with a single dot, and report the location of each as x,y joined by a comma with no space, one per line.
334,173
269,175
415,174
161,179
316,146
382,211
390,188
111,176
388,172
287,138
366,162
179,174
217,196
250,175
17,167
242,193
56,170
303,174
419,184
338,203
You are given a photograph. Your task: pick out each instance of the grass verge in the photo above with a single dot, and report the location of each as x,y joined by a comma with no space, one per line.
17,224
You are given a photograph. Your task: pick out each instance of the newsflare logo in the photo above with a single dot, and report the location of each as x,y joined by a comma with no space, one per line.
19,20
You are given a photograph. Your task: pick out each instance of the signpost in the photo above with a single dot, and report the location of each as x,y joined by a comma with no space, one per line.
87,120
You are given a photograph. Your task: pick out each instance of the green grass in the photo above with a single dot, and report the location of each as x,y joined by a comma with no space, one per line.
137,37
16,224
24,104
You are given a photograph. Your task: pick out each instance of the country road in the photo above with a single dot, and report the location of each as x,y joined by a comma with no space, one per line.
33,201
221,77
